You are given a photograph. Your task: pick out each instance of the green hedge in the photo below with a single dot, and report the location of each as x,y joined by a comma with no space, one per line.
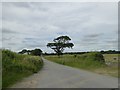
16,66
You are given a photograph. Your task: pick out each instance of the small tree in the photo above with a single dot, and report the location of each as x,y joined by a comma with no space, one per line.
23,51
60,43
36,52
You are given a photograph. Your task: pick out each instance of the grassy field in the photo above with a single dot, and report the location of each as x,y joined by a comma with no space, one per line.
16,66
87,62
111,58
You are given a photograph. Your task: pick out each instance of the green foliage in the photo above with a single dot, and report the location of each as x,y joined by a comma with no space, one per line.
95,56
16,66
23,51
60,43
62,39
86,61
90,61
36,52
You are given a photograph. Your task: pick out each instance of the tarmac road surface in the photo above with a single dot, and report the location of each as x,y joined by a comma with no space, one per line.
54,75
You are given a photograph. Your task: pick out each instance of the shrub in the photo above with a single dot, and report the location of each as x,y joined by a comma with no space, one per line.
16,66
75,55
95,56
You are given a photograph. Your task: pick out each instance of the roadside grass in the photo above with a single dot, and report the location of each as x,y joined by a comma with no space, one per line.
112,60
86,62
16,66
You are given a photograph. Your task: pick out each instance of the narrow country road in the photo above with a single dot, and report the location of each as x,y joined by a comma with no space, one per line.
58,76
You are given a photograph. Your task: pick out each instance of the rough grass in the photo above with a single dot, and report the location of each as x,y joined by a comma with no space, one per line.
111,57
16,66
112,61
86,62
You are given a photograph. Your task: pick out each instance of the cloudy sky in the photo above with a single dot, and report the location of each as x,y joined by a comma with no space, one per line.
91,26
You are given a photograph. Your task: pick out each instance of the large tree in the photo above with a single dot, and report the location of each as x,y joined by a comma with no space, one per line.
60,43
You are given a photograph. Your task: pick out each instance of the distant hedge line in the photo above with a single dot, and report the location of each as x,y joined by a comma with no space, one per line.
15,66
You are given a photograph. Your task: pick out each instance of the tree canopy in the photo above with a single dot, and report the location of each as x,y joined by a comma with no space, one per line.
36,52
23,51
60,43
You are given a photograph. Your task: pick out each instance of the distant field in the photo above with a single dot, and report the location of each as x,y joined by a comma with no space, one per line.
16,66
88,64
111,57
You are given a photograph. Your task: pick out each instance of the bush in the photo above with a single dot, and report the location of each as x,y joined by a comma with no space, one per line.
16,66
75,55
95,56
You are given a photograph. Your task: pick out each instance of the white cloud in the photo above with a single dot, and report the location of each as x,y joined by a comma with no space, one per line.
61,1
42,22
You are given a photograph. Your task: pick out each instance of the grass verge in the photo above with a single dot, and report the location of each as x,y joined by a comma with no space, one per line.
87,62
15,67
